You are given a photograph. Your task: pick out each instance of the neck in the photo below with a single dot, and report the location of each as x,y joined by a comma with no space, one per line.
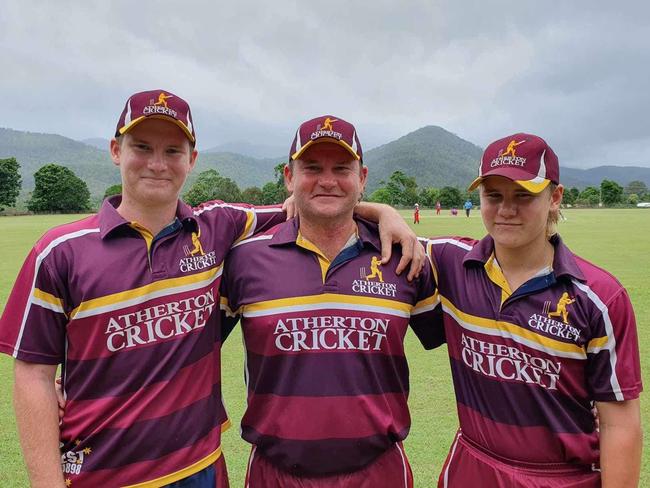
329,237
153,217
526,260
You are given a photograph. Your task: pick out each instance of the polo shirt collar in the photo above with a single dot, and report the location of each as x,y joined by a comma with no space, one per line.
564,262
287,233
110,219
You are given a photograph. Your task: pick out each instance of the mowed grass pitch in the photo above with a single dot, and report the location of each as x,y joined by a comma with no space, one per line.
618,240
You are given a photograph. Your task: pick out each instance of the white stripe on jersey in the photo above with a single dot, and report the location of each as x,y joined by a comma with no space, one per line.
37,266
360,307
253,239
611,339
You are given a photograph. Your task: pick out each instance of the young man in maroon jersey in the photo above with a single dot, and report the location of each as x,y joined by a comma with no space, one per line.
323,322
536,337
125,301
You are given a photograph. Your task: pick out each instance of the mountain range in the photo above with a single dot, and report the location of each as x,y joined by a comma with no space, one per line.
433,155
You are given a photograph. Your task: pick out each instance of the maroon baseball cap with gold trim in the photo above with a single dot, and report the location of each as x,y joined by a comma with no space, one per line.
326,128
158,104
525,159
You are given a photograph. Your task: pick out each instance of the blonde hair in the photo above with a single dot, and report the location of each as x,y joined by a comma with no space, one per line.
553,216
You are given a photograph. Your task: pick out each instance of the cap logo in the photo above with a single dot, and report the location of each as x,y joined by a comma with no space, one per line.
162,99
160,106
326,130
509,156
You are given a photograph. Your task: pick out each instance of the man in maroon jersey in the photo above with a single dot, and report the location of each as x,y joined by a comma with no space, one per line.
323,321
124,300
536,337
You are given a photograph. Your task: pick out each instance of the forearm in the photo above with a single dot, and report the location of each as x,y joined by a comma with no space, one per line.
620,451
36,409
374,211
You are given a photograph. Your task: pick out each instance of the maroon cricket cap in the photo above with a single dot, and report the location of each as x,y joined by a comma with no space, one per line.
326,128
158,104
525,159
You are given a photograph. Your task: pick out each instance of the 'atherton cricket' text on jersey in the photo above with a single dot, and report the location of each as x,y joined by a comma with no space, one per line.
326,372
133,319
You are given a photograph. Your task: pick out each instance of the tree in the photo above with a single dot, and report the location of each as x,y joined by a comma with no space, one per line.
9,182
272,193
380,195
571,196
428,197
451,197
275,191
113,190
611,192
252,195
403,189
58,189
633,199
589,196
637,187
210,185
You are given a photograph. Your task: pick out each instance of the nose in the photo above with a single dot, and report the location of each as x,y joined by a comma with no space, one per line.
156,161
327,180
508,208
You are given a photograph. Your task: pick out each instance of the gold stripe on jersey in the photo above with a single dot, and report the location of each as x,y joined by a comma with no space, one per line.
225,306
327,300
182,474
47,300
157,289
426,304
597,344
514,332
249,227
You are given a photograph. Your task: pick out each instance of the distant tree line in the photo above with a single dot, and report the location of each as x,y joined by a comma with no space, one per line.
58,190
402,190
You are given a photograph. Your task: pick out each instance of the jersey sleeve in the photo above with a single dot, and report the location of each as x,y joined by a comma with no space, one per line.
613,370
228,303
251,220
33,324
426,316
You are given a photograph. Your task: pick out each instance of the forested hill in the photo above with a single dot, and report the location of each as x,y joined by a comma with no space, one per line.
434,156
94,165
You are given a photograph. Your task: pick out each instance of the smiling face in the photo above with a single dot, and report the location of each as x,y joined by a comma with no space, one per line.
154,158
327,182
514,217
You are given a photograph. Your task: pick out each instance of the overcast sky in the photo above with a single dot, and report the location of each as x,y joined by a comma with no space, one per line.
574,72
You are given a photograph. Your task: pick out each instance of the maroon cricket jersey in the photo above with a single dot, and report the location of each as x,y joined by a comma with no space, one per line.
133,321
325,367
528,364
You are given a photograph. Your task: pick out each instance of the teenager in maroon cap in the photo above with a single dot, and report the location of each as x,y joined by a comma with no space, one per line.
536,337
124,300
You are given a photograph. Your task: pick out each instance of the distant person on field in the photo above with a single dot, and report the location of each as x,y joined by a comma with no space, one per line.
126,301
543,336
438,207
326,375
453,211
468,207
416,214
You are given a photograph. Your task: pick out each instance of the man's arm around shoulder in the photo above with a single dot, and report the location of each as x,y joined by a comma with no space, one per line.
37,418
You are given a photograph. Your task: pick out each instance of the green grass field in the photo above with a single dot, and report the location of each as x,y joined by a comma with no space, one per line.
618,240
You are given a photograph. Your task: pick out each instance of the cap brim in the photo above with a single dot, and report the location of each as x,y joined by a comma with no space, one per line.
535,185
180,124
344,144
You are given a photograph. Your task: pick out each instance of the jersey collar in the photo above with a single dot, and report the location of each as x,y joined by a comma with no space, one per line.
287,233
110,220
564,262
